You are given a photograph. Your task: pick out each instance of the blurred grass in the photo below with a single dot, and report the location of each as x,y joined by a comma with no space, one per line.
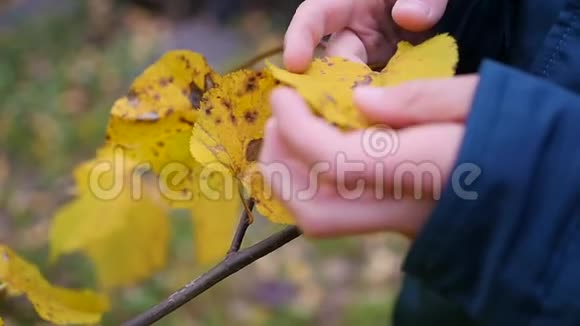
56,90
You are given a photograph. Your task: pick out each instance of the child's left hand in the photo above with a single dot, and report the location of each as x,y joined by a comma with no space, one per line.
353,185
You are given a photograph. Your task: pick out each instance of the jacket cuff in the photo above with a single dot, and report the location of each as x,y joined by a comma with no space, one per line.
495,241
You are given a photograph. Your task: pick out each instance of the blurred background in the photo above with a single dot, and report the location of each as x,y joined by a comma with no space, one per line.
62,65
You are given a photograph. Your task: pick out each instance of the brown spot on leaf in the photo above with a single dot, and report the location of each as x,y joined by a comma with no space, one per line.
184,120
133,98
253,150
107,137
330,98
169,111
185,61
365,81
227,104
251,85
233,119
160,144
156,97
164,82
218,121
195,94
251,116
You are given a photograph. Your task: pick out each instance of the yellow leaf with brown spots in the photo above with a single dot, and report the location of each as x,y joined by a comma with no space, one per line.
228,133
54,304
329,82
153,123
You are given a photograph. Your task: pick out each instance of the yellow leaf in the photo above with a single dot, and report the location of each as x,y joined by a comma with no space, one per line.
83,221
1,322
328,86
228,136
153,123
329,82
54,304
434,58
135,252
215,216
125,232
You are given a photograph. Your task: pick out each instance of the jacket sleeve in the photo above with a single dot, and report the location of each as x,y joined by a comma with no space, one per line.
512,255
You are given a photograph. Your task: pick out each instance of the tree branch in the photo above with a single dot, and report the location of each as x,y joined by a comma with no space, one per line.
230,265
259,57
245,221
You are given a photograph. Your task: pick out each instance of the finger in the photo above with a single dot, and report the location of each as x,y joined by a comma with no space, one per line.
418,15
282,172
356,155
339,217
348,45
313,19
316,140
441,100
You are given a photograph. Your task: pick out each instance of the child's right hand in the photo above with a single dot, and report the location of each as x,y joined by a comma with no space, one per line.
362,30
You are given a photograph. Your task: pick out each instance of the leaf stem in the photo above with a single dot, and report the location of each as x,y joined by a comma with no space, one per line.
230,265
245,222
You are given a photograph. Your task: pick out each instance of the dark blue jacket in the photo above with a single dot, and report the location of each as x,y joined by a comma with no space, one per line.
511,256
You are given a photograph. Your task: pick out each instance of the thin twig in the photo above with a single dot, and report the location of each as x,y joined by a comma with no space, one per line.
245,222
259,57
227,267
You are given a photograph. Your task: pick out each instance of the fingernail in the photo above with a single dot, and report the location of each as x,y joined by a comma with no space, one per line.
417,6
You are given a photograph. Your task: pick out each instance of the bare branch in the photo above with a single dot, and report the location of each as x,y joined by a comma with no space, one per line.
230,265
259,57
245,222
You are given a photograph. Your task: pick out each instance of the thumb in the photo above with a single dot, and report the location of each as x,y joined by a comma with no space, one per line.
417,102
418,15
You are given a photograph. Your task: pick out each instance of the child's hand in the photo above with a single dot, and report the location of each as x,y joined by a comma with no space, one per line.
363,30
355,186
